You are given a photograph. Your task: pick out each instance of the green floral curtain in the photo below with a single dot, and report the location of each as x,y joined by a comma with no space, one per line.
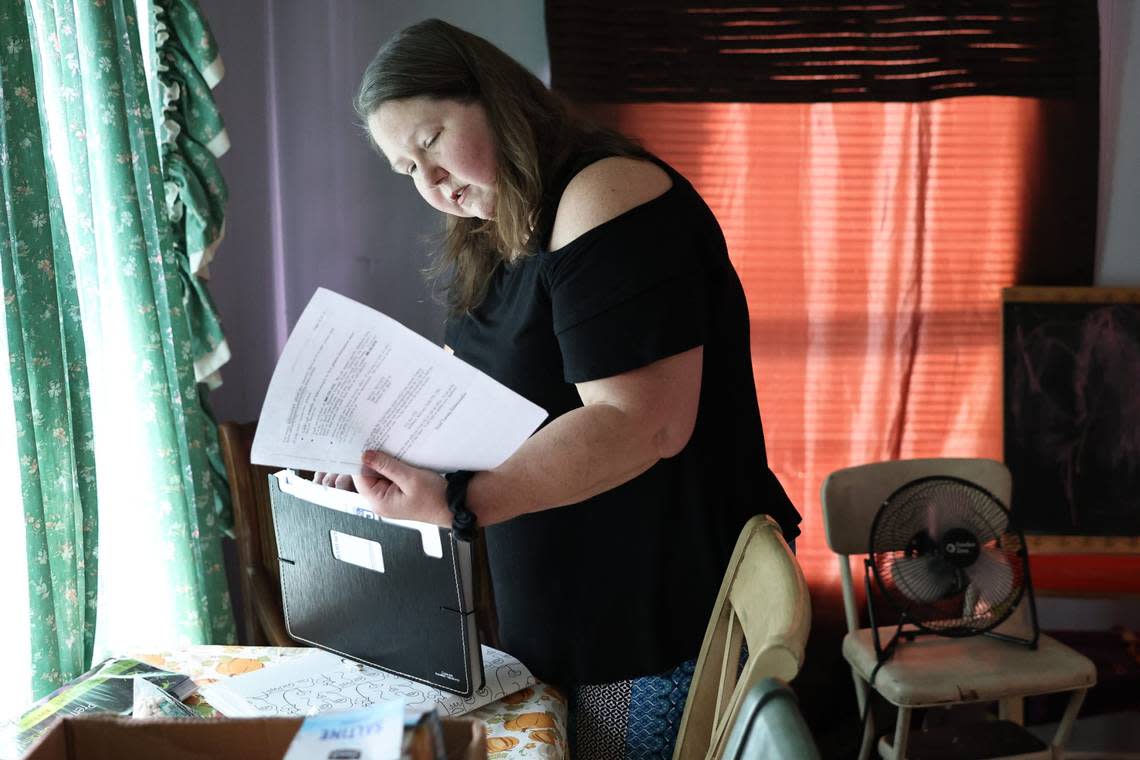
47,363
193,136
112,335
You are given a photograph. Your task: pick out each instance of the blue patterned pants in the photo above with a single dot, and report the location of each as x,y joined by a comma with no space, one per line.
635,719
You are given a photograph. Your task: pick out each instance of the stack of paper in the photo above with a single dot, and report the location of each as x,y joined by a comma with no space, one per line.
352,379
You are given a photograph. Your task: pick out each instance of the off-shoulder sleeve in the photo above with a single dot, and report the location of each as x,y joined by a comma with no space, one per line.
630,291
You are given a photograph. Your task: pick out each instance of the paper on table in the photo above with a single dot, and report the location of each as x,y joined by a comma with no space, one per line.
351,379
319,681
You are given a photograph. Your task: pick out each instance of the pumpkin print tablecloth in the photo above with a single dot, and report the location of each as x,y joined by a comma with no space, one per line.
527,724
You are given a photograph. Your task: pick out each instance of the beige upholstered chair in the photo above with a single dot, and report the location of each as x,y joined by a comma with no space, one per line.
764,603
934,671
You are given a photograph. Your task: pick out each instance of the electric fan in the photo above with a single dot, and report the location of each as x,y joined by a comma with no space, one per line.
947,556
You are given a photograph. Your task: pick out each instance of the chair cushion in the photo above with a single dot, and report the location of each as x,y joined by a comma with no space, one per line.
935,670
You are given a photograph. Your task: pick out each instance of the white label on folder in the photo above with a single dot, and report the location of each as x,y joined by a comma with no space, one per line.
357,551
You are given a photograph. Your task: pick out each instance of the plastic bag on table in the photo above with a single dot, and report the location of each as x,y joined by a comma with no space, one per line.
152,701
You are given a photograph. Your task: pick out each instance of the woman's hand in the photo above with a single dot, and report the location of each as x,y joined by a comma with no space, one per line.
401,491
333,480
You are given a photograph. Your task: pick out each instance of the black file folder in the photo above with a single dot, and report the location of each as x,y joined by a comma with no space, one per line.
415,618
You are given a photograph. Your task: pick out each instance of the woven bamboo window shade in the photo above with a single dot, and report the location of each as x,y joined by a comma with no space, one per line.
629,51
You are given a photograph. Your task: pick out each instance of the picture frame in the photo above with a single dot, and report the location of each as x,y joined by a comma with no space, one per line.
1071,416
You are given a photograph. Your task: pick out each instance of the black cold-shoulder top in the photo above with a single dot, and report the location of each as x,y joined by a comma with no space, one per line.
622,584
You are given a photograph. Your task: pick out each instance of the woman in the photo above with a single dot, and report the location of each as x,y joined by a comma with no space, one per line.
589,277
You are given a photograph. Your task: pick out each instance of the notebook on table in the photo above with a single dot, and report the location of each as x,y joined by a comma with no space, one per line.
393,594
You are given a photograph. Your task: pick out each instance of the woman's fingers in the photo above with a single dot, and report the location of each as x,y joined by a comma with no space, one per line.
391,468
334,480
389,481
377,488
397,489
393,488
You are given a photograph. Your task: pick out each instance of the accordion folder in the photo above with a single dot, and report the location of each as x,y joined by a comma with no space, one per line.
395,595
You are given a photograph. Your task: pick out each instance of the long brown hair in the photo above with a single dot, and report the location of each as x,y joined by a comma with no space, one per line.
535,132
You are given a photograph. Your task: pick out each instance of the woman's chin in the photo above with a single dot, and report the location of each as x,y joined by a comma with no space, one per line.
483,210
475,212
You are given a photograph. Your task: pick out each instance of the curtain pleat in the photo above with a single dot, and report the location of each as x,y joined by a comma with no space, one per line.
47,364
193,137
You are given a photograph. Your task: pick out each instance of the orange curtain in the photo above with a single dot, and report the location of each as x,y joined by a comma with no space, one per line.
873,240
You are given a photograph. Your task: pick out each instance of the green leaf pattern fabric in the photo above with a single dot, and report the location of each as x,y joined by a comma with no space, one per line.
193,137
47,363
89,239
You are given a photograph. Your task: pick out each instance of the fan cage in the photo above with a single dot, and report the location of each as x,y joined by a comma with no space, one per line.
918,577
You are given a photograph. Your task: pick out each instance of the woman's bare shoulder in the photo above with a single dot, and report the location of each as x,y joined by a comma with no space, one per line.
604,190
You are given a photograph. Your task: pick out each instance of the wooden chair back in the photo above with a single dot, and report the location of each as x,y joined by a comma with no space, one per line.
763,603
256,543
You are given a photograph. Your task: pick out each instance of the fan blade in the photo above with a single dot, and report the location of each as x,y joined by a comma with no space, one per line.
922,579
933,523
991,576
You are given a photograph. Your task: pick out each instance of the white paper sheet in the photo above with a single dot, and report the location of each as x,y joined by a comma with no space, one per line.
351,379
319,681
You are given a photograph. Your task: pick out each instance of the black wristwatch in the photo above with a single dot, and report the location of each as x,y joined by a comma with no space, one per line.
462,518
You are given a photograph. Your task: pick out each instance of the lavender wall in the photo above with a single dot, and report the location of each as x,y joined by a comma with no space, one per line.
310,204
1118,228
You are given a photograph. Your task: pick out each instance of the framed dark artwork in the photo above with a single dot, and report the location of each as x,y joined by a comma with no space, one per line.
1071,401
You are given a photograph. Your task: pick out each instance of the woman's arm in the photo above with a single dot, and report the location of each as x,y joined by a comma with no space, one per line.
626,424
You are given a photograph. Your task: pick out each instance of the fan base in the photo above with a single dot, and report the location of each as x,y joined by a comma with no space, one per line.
979,740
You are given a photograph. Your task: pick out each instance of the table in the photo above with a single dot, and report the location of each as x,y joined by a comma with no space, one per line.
527,724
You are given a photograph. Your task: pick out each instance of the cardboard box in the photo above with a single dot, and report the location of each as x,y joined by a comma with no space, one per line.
109,737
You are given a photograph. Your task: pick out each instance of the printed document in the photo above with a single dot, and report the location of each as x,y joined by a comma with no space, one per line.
351,379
